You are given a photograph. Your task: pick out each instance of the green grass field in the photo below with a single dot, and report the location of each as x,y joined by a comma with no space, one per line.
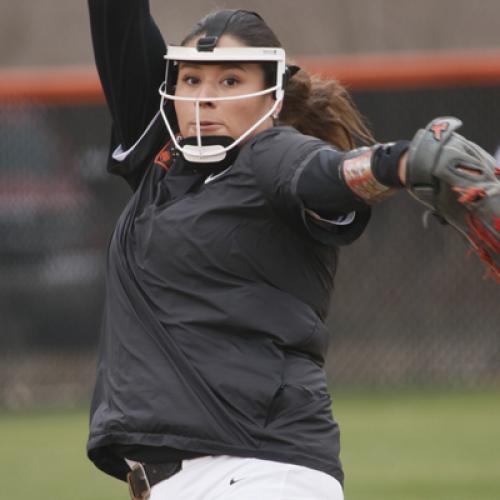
412,445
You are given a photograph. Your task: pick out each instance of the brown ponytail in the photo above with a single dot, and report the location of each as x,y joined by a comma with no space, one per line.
324,109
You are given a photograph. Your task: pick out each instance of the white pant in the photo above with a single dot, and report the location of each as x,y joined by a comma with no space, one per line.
233,478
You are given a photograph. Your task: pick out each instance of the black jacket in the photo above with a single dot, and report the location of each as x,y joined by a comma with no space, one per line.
213,339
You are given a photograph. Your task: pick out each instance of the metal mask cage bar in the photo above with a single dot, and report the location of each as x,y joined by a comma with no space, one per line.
210,99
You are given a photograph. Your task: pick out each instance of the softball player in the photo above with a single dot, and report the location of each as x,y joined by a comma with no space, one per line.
210,381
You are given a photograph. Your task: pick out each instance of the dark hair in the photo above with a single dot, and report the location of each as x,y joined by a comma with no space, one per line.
314,106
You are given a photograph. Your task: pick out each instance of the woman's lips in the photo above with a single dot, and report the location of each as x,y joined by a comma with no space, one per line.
207,126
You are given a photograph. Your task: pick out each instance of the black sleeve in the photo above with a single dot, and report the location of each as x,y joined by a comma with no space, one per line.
129,51
282,158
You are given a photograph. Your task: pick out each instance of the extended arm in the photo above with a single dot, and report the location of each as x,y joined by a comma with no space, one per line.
328,191
335,182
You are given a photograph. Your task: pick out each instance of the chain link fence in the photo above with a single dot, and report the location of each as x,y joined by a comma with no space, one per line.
410,307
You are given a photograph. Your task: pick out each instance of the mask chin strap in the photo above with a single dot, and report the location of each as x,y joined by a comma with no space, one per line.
211,140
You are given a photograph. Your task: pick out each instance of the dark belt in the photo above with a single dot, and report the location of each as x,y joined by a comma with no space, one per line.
143,477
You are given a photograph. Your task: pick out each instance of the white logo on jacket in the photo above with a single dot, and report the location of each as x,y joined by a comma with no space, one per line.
212,177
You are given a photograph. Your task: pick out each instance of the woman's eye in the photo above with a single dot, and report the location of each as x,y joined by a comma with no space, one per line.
190,80
229,82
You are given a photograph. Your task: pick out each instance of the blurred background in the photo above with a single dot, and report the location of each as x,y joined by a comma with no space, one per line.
413,321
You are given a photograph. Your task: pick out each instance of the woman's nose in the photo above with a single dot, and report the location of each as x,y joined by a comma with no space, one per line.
206,91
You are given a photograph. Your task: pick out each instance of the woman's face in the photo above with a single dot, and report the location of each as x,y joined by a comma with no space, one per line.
229,118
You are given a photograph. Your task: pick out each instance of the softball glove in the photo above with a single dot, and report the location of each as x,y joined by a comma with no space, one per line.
459,183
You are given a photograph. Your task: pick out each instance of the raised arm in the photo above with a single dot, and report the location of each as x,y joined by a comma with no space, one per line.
129,49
